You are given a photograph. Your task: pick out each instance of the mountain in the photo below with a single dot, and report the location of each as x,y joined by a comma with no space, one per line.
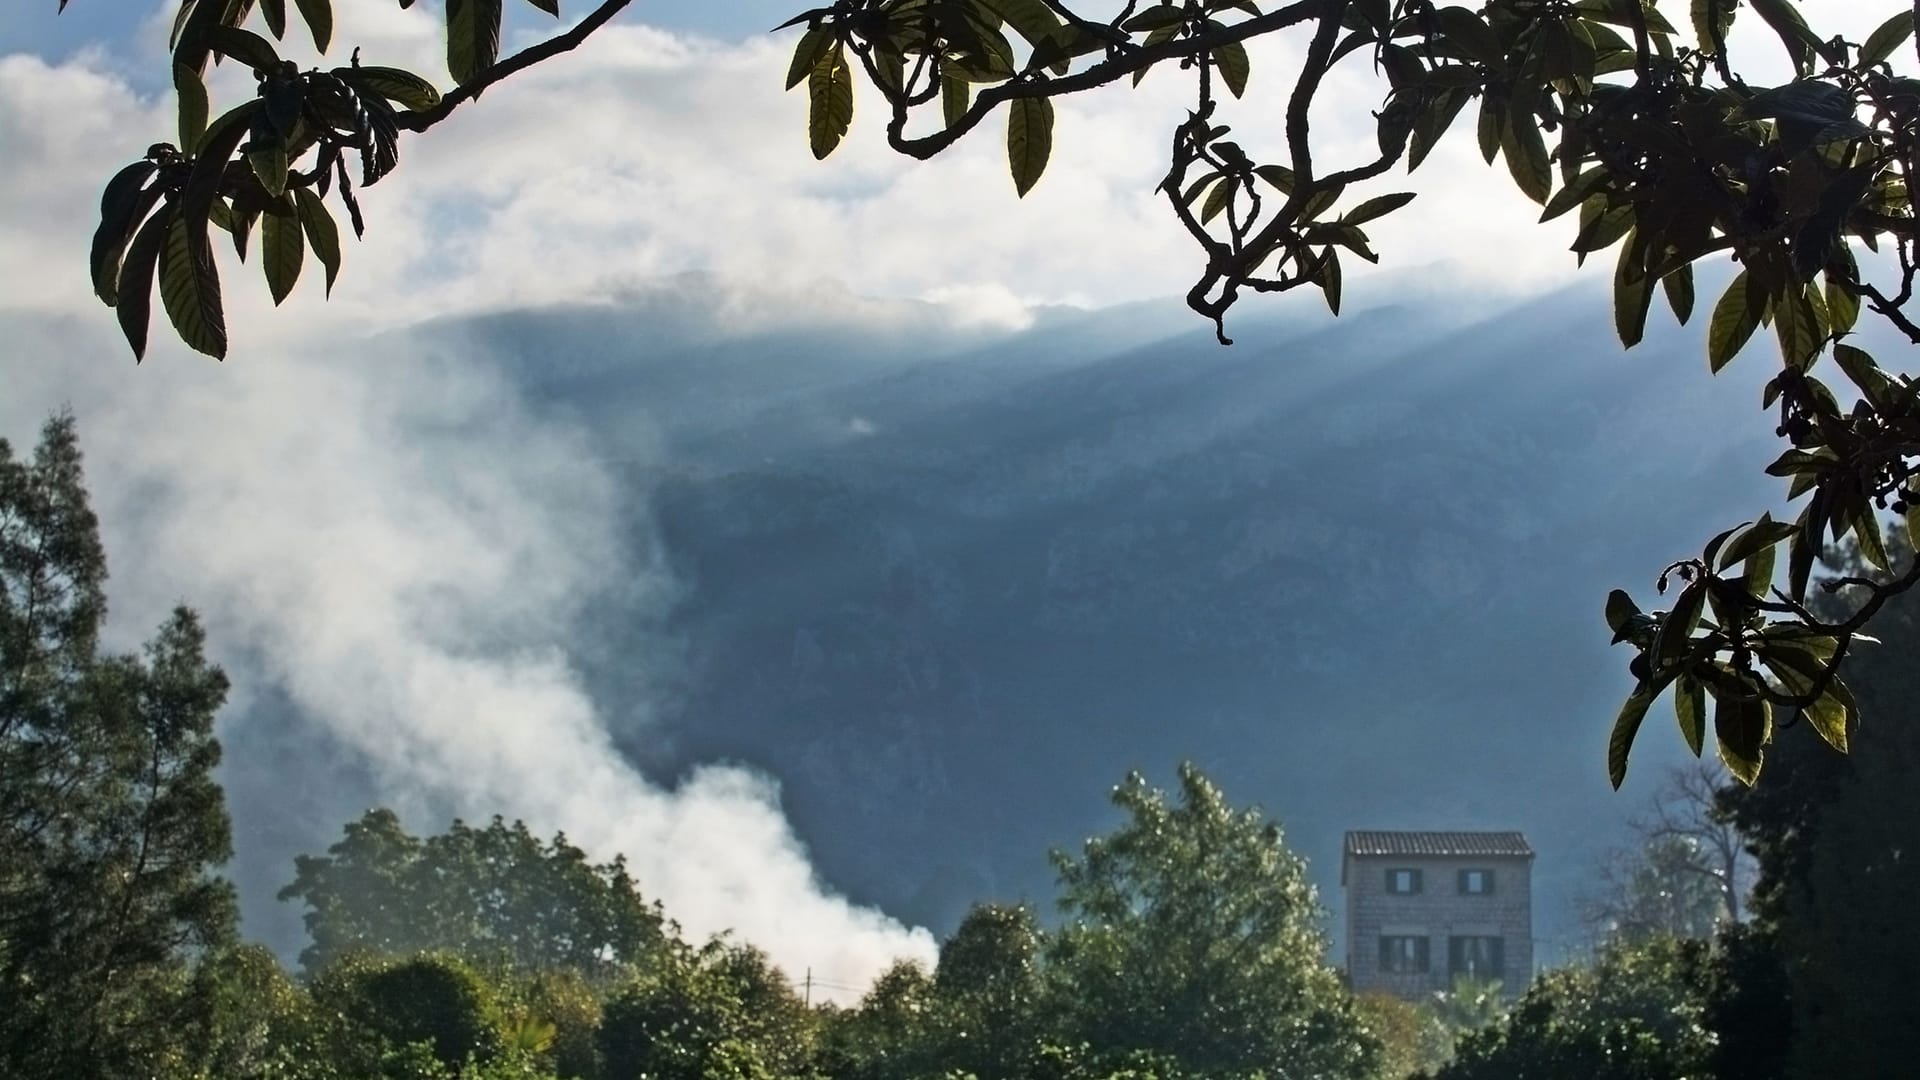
948,588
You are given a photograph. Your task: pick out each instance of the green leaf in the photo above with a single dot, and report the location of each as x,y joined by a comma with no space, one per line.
210,166
956,93
1843,297
1690,709
1621,610
1526,153
1157,17
1279,176
323,234
1625,726
806,55
551,7
319,18
269,163
1760,566
1029,140
1676,629
1466,31
1791,29
1575,192
1679,289
1433,122
1762,536
123,205
1328,277
1493,120
829,101
275,13
394,84
1231,60
1796,328
1742,726
1031,19
194,107
1632,294
282,249
1888,37
1378,206
1704,33
1735,318
245,46
1866,527
190,288
473,38
1217,199
133,304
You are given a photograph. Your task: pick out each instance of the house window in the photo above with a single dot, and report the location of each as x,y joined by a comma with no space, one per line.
1476,882
1403,955
1403,881
1480,957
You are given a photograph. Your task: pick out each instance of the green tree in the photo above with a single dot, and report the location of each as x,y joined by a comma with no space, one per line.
1837,878
1636,1015
383,1007
110,820
1658,138
719,1013
497,895
988,993
1191,931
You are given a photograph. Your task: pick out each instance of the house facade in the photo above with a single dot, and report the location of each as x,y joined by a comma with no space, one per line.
1423,907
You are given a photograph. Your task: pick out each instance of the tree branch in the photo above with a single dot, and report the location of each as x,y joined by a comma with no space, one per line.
512,65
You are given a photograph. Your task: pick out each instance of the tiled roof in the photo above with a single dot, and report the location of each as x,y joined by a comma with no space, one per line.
1438,843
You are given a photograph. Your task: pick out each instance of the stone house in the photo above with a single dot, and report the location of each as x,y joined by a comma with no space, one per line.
1423,907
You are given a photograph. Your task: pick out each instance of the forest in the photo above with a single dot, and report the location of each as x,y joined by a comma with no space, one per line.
1188,942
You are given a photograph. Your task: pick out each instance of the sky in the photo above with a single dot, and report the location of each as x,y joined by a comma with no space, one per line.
398,545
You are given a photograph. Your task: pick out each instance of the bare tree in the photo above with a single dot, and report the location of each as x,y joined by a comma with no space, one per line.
1686,872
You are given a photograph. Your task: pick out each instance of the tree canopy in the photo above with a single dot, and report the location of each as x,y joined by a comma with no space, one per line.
1634,115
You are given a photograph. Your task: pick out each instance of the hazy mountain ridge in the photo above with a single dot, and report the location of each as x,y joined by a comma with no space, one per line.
949,600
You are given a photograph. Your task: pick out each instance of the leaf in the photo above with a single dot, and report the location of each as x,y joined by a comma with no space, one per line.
1329,279
1742,727
1157,17
1378,206
1493,119
829,101
282,249
1217,199
1690,709
1621,610
269,162
1866,527
393,84
1679,289
1796,328
1625,726
134,302
1790,28
223,138
956,94
473,38
323,234
1231,59
275,12
1031,19
813,44
1843,294
1029,140
1886,38
1433,123
319,19
191,91
1671,642
1632,294
1705,33
123,205
1526,153
1575,192
245,46
551,7
1762,536
1470,35
190,288
1735,318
